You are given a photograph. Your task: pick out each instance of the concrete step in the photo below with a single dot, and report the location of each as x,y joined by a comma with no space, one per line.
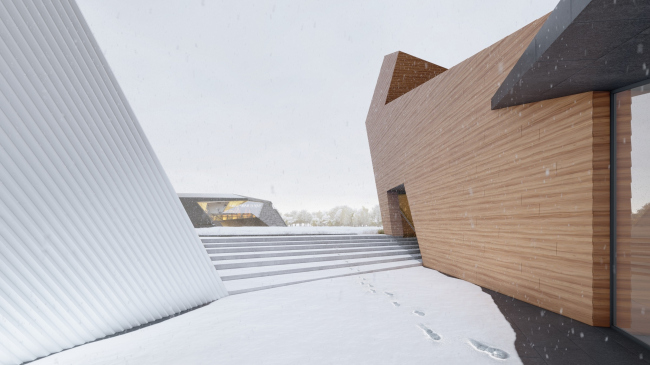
268,282
284,253
247,273
234,264
301,238
214,251
262,262
304,243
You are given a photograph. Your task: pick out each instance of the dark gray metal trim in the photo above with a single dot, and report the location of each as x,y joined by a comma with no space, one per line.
631,337
631,86
612,209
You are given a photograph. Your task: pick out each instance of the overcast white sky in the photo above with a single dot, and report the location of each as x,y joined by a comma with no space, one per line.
269,98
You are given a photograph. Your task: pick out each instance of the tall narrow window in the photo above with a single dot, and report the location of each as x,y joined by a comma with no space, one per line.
632,108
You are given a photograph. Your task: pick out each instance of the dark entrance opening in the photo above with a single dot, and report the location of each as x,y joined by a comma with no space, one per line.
400,209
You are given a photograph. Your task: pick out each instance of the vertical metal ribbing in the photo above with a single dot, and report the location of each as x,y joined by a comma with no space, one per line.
93,239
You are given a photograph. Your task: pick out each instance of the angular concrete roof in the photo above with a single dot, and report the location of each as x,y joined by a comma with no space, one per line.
584,45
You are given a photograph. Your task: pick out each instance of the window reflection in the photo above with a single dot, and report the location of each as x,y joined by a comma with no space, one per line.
633,211
223,211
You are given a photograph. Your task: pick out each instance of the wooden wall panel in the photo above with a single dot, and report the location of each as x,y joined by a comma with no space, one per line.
391,214
516,199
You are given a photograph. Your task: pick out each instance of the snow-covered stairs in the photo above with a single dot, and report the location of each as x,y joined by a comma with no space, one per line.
262,262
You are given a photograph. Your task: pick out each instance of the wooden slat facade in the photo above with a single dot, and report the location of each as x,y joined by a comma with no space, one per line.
516,199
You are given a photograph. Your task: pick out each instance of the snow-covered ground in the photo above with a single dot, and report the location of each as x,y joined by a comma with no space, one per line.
266,231
406,316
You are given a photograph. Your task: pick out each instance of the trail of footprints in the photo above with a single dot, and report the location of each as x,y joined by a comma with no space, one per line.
478,346
493,352
434,336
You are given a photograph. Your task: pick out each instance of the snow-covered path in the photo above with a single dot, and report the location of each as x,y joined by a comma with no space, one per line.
406,316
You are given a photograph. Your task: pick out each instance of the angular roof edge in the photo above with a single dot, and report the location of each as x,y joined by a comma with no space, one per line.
584,45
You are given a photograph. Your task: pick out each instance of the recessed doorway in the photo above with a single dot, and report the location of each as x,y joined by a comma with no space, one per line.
400,211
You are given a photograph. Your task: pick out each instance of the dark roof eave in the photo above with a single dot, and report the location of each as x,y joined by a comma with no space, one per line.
584,45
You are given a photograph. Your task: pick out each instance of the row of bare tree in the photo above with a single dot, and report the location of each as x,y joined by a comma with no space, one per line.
337,216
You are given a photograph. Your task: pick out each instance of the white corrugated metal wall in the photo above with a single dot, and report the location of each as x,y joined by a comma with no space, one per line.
93,239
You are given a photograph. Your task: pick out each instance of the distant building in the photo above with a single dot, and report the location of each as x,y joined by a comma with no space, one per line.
229,210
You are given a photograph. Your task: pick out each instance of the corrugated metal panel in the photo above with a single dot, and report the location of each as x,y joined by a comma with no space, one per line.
93,239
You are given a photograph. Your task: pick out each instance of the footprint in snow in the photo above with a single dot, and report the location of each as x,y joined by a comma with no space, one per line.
372,291
389,294
396,304
421,314
493,352
432,335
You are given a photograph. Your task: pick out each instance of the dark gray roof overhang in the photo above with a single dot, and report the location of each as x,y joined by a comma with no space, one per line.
584,45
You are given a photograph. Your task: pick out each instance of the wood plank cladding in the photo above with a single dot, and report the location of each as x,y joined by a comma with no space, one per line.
410,72
515,200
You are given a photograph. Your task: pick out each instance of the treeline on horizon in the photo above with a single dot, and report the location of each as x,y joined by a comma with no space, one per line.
338,216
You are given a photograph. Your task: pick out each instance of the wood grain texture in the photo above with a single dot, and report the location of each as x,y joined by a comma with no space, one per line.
515,200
